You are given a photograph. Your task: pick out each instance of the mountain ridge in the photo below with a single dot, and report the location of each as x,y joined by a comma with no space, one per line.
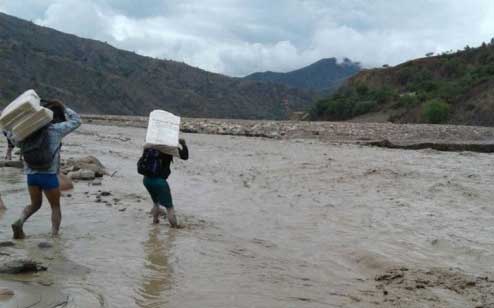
95,77
323,75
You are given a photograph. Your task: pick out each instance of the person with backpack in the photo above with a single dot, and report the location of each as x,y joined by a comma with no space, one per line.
41,153
155,166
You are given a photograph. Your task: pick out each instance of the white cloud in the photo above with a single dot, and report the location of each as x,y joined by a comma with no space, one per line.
237,37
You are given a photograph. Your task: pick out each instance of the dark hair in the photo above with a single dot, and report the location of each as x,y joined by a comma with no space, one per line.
57,107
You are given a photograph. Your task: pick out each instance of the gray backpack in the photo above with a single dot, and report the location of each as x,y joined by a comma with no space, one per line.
36,150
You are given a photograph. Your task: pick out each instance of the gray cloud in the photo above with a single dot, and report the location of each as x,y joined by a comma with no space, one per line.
237,37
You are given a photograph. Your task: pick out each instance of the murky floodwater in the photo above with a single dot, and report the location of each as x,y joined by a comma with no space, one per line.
268,223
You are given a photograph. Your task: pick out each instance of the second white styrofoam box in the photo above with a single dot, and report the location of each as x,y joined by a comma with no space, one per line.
28,102
32,123
162,133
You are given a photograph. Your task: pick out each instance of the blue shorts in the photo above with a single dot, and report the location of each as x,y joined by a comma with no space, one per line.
43,181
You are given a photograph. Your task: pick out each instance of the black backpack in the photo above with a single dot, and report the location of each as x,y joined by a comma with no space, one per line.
150,163
36,150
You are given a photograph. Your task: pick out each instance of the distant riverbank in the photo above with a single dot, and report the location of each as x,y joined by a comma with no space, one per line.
408,136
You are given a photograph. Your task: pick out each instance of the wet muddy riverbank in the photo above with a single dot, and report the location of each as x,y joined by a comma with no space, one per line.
267,223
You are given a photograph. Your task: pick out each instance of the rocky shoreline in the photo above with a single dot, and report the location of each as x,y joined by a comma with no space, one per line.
403,136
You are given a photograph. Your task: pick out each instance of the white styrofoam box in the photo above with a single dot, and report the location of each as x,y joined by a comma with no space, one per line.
162,133
32,123
28,102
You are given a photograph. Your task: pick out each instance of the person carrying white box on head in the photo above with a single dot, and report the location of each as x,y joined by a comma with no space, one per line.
162,143
38,134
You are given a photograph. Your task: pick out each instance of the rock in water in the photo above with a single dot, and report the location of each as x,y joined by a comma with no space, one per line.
6,292
85,175
85,163
7,244
45,245
21,266
11,163
97,182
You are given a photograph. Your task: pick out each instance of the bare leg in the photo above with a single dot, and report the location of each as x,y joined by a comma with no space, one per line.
172,219
8,155
2,205
53,197
156,213
65,182
36,201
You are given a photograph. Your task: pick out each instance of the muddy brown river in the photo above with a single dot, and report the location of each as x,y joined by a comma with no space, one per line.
267,223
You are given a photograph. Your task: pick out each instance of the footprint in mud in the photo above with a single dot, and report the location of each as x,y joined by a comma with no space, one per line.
263,243
193,223
384,172
242,252
401,203
301,299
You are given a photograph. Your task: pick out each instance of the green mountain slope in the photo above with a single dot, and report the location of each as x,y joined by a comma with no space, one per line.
95,77
455,88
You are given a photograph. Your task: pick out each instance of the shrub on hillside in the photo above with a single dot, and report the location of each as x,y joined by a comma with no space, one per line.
352,102
408,100
382,95
362,90
363,107
435,111
339,109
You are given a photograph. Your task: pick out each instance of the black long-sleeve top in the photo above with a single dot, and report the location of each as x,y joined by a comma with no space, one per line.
166,160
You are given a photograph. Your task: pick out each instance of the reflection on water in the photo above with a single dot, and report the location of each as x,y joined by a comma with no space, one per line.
157,276
103,258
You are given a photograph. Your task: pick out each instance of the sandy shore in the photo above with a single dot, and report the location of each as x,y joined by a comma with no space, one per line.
269,222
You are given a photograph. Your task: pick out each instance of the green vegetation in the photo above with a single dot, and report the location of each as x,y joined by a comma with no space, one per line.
407,100
352,102
435,111
424,90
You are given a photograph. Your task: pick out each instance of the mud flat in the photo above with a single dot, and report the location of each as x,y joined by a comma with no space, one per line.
268,222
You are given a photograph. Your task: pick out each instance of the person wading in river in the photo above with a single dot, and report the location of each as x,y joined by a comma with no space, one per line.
155,166
41,153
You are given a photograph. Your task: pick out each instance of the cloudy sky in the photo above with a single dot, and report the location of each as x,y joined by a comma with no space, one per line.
238,37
